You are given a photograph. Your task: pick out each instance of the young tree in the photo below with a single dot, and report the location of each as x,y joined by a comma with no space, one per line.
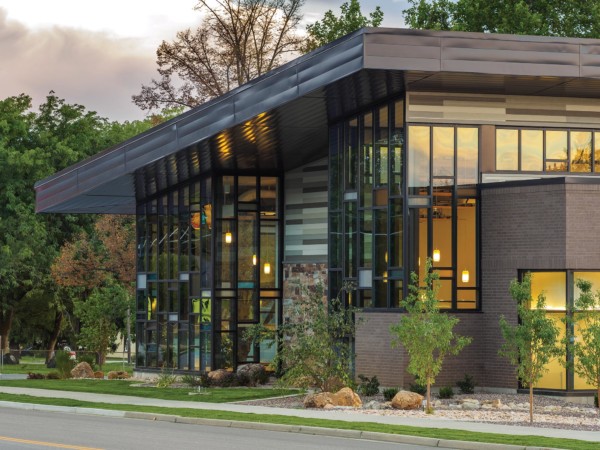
237,41
331,27
314,344
573,18
425,332
531,343
102,316
584,319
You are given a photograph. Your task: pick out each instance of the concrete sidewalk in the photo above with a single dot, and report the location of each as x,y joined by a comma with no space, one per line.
347,415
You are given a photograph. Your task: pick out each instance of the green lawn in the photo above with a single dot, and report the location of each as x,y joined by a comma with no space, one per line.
33,364
437,433
124,387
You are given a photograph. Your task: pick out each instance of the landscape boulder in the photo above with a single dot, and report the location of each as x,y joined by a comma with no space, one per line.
254,372
407,400
117,375
99,374
82,370
344,397
217,377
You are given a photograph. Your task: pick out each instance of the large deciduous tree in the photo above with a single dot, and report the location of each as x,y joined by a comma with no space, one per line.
531,343
237,41
573,18
331,27
426,333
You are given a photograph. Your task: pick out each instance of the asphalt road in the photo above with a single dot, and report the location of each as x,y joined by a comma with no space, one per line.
20,429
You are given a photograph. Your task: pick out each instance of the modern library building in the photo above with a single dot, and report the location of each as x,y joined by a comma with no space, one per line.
357,162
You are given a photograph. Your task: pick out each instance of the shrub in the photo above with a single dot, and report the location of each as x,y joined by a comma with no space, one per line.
368,386
204,380
190,380
89,358
418,388
389,394
53,376
35,376
166,379
64,364
446,392
467,385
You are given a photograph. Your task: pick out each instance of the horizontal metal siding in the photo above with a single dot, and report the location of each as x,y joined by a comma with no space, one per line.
502,110
306,213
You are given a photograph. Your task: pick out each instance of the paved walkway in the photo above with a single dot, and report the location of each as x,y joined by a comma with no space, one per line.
347,416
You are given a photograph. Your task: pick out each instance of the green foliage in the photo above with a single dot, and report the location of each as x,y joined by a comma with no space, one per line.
368,386
390,393
191,380
99,314
418,388
573,18
446,392
425,332
466,385
64,364
53,376
331,27
165,379
585,320
89,358
204,380
314,345
531,343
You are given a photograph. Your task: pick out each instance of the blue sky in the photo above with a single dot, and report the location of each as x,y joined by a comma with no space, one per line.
99,54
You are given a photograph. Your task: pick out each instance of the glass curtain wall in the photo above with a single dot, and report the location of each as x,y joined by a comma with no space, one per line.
208,267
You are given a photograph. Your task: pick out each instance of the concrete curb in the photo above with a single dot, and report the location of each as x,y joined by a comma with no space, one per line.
348,434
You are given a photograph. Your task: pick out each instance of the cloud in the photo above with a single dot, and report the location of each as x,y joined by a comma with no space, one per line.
94,69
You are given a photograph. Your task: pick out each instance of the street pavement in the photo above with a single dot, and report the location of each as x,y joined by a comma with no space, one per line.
346,415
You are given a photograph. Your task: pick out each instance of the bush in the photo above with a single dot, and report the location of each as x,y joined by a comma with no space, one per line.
89,358
53,376
446,392
190,380
204,380
389,394
368,386
467,385
418,388
64,364
166,379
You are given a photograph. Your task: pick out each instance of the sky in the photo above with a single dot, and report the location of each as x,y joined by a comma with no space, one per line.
98,54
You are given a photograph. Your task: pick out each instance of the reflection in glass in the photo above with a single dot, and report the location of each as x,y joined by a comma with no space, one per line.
507,149
381,250
366,162
396,145
418,160
467,155
466,232
532,150
366,238
581,151
442,225
443,151
381,147
351,154
269,253
396,234
556,145
596,151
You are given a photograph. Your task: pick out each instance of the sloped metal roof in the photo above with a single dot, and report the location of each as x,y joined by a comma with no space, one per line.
280,120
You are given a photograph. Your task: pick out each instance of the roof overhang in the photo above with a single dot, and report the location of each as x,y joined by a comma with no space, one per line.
280,120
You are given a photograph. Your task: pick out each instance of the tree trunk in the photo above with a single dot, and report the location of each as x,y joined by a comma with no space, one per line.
5,326
428,408
58,318
531,403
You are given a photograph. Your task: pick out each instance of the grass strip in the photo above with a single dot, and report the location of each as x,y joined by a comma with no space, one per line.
437,433
124,387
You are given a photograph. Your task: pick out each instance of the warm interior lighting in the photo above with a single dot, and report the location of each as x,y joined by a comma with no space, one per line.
465,276
385,257
228,237
385,275
253,260
267,268
436,255
195,221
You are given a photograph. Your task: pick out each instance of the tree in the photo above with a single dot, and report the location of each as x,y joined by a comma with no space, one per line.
331,27
531,343
102,317
425,332
573,18
314,345
237,41
585,346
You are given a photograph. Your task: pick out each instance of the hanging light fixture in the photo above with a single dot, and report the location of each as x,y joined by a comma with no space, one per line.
228,237
267,268
465,276
253,260
436,255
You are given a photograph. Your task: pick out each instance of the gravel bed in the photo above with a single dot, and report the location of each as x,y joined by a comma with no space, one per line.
549,412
